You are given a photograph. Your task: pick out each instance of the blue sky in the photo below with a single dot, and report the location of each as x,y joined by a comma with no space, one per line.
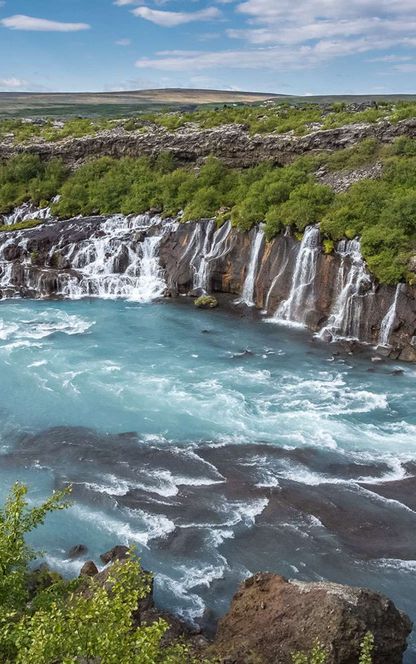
288,46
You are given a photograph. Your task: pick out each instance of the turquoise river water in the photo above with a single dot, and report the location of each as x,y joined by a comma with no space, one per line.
218,445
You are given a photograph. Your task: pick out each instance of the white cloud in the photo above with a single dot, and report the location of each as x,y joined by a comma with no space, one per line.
173,19
12,82
271,58
282,34
406,69
391,58
123,42
22,22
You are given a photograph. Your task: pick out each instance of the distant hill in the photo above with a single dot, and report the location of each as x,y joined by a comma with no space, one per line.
119,103
116,104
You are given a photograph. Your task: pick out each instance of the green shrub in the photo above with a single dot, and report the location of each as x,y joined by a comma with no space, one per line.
318,655
70,622
328,246
367,649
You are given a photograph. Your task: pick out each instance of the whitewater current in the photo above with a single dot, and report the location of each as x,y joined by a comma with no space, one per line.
217,449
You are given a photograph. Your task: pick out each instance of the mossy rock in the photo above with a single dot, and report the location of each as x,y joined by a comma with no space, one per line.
206,302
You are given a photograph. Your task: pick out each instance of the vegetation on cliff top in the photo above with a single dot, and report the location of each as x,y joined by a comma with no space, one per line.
268,117
381,211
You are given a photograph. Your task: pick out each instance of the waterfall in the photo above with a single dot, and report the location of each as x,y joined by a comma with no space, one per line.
284,258
202,256
247,295
118,260
387,324
353,282
116,264
26,212
301,297
209,247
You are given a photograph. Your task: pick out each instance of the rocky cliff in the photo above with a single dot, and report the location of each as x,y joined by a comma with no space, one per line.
231,143
141,258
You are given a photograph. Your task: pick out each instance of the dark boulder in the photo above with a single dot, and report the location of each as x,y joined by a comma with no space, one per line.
89,569
116,553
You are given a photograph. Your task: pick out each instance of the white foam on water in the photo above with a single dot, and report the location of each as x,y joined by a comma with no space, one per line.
149,526
243,512
218,535
197,577
193,605
38,363
44,325
397,564
69,568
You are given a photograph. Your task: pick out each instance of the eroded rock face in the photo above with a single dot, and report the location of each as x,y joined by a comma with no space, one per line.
270,618
231,143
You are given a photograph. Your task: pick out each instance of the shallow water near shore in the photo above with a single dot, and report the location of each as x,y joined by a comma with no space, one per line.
218,445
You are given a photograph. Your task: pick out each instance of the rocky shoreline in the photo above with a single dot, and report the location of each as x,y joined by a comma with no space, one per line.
271,618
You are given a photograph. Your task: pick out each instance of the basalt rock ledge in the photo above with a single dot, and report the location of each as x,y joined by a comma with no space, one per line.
233,144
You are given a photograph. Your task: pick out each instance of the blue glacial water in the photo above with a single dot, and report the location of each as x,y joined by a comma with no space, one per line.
218,445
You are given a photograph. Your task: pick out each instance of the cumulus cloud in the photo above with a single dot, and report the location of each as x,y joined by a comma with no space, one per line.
172,19
282,34
287,22
22,22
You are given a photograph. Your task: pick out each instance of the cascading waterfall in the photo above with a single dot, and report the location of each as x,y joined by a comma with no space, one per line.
116,264
201,256
247,295
387,324
353,283
28,211
119,260
302,292
209,246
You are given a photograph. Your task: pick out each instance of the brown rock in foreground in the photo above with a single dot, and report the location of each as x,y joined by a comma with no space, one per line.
270,618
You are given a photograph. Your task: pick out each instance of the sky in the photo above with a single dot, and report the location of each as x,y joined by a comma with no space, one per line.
298,47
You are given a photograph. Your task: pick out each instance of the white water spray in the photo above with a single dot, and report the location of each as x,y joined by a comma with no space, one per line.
28,211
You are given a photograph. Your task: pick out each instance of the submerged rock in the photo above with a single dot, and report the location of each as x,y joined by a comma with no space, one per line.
77,551
271,618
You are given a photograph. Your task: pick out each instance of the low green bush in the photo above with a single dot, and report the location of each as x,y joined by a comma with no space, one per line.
74,621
